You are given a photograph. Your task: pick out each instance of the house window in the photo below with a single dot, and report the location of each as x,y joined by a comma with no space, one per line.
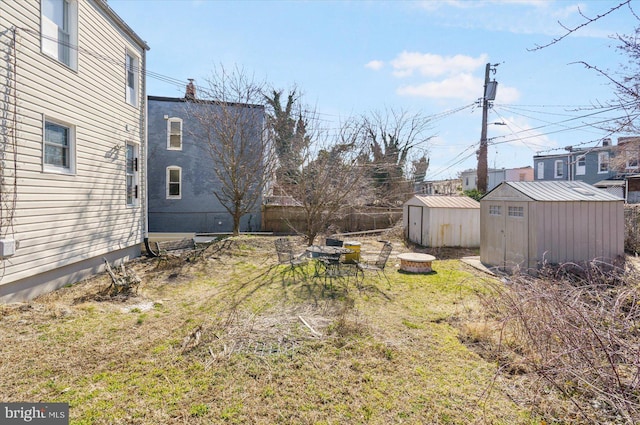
174,183
59,30
58,147
495,210
581,165
516,211
131,71
131,172
540,166
632,164
603,162
558,167
174,131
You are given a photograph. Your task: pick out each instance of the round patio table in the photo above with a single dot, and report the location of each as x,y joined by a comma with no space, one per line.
415,262
327,251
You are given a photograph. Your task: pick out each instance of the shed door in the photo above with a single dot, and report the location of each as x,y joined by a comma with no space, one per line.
415,224
516,235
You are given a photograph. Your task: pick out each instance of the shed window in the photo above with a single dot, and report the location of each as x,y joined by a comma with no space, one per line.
495,210
516,211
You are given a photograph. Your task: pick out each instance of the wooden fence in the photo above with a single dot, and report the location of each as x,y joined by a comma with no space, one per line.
287,219
632,228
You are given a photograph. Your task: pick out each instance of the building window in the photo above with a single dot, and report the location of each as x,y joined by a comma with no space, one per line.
174,183
59,30
58,142
495,210
558,167
174,131
540,174
632,164
516,211
603,162
131,71
581,165
131,172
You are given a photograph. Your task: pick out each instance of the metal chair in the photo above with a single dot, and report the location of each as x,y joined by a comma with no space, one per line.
380,262
286,256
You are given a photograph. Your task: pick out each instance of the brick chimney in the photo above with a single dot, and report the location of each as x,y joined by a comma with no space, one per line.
190,94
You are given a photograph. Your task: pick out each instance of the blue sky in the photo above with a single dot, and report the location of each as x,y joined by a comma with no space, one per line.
353,57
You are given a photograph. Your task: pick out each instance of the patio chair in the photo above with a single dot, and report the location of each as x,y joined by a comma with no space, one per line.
379,264
296,262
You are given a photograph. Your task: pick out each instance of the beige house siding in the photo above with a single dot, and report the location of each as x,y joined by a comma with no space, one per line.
65,223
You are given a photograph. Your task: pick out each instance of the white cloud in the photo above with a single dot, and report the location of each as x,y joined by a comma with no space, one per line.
431,65
507,94
462,86
375,65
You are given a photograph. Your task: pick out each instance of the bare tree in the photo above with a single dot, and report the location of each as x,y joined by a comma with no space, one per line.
322,171
393,136
287,129
231,128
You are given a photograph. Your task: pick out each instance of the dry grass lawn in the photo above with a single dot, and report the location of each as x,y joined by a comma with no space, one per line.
229,338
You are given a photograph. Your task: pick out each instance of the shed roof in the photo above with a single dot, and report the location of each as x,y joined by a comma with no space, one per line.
562,191
447,201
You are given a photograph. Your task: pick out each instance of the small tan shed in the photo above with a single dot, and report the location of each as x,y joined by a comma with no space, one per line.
523,224
439,221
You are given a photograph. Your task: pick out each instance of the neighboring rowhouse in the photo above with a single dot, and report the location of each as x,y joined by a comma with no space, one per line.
525,224
72,143
182,181
440,221
606,166
495,176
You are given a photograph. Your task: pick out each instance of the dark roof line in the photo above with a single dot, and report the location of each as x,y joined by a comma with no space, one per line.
201,101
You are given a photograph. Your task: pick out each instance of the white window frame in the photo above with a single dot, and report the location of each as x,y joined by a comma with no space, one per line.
59,31
495,210
581,165
603,162
540,170
171,133
558,169
131,77
70,147
517,212
132,170
169,183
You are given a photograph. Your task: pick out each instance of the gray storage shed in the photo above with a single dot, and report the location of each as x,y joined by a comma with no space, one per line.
523,224
439,221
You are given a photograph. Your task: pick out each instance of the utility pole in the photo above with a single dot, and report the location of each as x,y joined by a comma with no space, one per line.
490,88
